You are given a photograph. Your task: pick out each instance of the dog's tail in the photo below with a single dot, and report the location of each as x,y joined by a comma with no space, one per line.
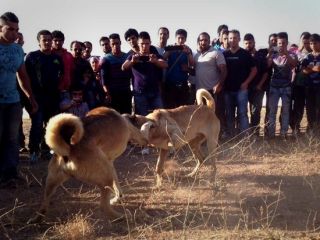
63,130
204,94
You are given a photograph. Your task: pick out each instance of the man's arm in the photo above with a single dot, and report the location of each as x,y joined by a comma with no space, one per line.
252,74
24,82
222,68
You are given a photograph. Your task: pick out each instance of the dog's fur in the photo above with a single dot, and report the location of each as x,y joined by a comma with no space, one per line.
191,125
85,149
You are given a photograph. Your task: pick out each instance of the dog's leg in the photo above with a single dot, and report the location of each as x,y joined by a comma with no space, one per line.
116,187
105,203
159,167
212,144
195,145
56,176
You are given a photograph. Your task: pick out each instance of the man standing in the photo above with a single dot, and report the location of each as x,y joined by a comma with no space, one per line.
256,92
146,83
116,82
105,45
163,33
45,70
211,71
241,71
11,65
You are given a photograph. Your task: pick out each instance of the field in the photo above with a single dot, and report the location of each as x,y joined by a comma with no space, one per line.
264,190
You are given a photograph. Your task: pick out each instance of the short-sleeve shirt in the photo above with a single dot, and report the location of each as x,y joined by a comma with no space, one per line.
11,59
239,65
281,70
145,76
206,66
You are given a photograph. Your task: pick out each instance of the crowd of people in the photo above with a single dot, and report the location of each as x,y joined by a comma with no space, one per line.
51,80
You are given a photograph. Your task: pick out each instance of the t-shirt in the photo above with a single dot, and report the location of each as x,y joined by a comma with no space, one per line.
113,77
145,76
11,59
262,67
175,75
239,65
281,70
206,66
314,78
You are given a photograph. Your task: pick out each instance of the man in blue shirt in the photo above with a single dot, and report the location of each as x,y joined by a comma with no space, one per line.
11,65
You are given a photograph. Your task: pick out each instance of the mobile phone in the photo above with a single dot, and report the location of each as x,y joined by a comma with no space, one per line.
173,48
144,58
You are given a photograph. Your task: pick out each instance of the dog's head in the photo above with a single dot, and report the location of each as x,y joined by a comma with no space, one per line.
135,120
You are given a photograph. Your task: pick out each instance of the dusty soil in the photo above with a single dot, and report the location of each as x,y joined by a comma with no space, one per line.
264,190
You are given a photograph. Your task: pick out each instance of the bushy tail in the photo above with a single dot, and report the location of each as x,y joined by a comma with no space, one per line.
63,130
204,94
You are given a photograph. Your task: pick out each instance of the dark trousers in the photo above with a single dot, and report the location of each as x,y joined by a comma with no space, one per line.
298,104
121,101
175,95
313,107
255,98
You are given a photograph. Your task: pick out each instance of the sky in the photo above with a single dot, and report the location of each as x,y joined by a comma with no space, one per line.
90,19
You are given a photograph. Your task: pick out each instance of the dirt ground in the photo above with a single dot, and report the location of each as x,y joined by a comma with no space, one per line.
264,190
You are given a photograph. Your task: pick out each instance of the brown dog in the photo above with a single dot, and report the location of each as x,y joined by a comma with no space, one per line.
85,149
191,125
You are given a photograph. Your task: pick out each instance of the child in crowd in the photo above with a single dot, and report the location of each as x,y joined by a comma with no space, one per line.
75,103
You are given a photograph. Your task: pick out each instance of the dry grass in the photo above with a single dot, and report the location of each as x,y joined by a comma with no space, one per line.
264,190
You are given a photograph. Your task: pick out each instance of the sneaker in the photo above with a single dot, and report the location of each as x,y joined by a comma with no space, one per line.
34,158
145,151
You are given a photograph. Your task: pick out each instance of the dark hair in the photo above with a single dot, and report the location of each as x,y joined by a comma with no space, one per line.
234,31
144,35
131,32
305,35
203,33
114,36
283,35
104,38
182,32
273,35
315,37
223,26
58,34
43,32
248,37
9,17
77,86
164,28
87,42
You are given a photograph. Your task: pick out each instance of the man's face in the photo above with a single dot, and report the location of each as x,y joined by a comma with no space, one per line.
233,40
306,44
204,43
282,44
225,40
133,41
163,35
87,50
57,43
76,50
105,46
45,43
9,31
115,46
144,45
315,46
180,39
249,45
273,41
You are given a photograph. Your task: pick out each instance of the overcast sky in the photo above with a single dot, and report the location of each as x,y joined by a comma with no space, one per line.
89,20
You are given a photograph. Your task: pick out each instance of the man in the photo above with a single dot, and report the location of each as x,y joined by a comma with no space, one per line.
218,42
211,71
12,67
282,64
241,71
163,34
45,70
311,67
256,92
67,59
117,82
146,83
105,45
180,64
86,54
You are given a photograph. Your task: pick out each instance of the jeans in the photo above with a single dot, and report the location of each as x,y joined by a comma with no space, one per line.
239,100
274,95
10,119
144,103
255,104
313,107
298,103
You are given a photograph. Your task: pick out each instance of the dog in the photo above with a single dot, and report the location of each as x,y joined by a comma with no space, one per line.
191,124
85,149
